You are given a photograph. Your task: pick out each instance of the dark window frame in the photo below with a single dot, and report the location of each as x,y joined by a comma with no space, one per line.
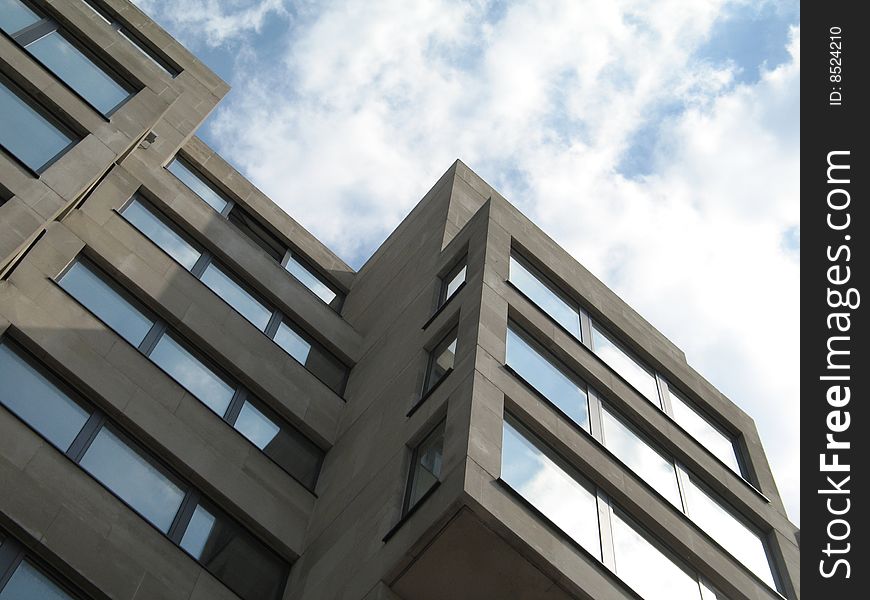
13,553
440,428
444,342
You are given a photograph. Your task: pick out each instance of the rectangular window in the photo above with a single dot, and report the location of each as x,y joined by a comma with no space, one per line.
550,379
451,282
560,494
426,463
235,557
280,442
29,133
314,357
257,233
21,577
441,361
198,184
157,229
88,76
231,291
702,429
537,288
299,268
623,361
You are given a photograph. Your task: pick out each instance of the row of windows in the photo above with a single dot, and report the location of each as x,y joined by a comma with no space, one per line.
562,388
313,356
593,521
85,435
23,578
568,314
155,339
292,261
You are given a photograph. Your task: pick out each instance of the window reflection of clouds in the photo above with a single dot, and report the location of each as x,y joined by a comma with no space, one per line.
255,426
236,296
624,364
161,234
705,432
194,376
541,294
293,343
309,280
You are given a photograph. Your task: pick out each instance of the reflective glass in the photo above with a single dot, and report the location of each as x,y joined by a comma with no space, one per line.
103,300
315,358
427,467
301,272
649,464
292,343
78,71
26,134
545,297
206,385
457,280
37,401
286,446
441,362
150,491
566,500
621,361
548,379
234,556
29,583
15,16
197,184
161,234
729,531
236,296
645,568
707,434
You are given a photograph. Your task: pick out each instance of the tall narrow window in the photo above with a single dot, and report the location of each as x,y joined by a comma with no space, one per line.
451,282
547,376
29,133
198,184
625,364
702,429
441,361
549,299
89,77
426,464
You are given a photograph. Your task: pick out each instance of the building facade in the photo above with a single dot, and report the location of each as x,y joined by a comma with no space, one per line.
201,401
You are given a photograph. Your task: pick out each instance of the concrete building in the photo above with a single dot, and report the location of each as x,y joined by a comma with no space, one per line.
201,401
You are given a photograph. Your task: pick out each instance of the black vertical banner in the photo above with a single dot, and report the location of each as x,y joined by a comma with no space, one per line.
835,224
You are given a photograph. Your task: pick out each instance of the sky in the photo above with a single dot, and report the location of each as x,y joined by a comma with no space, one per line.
657,141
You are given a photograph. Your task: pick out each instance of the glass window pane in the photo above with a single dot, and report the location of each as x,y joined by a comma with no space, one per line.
548,379
106,302
454,283
286,446
155,229
15,16
729,531
441,362
78,71
301,272
545,297
707,434
649,464
29,583
37,401
645,568
427,466
196,183
234,556
316,359
236,296
621,361
150,491
257,233
206,385
26,134
566,500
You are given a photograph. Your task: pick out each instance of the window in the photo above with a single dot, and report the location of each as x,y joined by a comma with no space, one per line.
702,429
20,576
225,549
564,497
547,377
198,184
29,133
128,35
202,265
55,49
625,364
228,400
452,282
426,463
545,295
441,361
299,268
640,456
254,231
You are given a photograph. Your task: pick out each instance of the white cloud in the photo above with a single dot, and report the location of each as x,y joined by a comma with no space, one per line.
651,164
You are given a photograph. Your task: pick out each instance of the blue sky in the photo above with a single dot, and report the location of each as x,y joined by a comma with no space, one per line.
656,140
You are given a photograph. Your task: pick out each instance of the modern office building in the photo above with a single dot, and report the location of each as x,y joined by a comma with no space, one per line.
201,401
